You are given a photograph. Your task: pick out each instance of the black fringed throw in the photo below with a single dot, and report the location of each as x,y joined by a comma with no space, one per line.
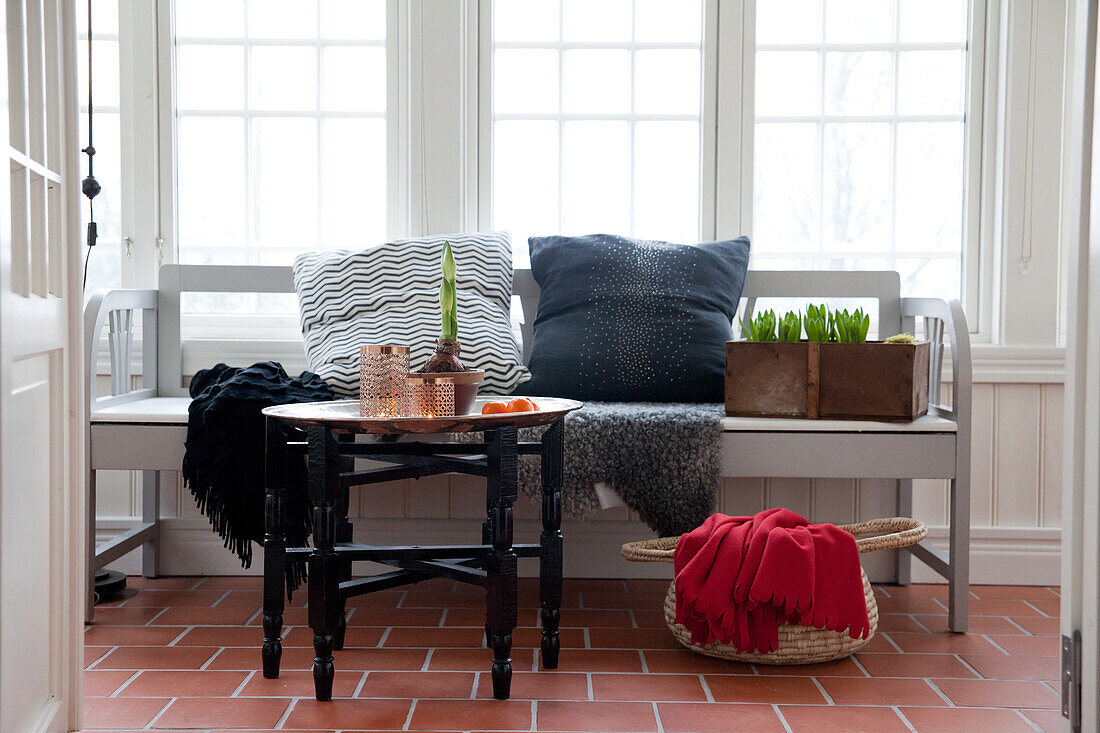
223,465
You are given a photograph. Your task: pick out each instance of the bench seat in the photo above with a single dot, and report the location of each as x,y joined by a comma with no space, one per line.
173,410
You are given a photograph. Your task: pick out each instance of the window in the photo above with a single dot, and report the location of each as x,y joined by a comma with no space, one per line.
105,261
281,128
859,156
596,120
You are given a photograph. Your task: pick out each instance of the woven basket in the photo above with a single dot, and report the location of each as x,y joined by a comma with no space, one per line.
797,644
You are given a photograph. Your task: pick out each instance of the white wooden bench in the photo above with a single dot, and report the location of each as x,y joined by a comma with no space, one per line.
143,429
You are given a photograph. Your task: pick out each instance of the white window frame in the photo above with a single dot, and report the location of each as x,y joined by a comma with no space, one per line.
708,116
726,195
284,327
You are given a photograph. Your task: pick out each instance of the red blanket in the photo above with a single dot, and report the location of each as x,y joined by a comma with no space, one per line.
738,579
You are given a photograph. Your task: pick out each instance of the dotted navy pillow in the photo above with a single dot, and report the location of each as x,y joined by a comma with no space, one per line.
627,320
389,294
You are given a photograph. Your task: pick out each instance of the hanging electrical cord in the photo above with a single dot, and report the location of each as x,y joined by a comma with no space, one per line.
90,186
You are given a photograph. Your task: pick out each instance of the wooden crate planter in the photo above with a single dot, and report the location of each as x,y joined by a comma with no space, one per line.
870,381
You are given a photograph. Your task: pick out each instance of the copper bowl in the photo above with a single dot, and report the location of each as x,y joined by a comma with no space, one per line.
466,385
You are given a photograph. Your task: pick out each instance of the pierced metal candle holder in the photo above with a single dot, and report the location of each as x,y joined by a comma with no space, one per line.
383,369
431,395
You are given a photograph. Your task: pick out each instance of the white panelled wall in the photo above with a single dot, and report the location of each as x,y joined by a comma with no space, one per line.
1016,291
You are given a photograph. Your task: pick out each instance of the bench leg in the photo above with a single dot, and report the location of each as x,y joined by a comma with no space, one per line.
959,553
903,561
150,514
325,566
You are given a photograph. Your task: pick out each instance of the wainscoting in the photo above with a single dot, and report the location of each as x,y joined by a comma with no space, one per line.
1016,507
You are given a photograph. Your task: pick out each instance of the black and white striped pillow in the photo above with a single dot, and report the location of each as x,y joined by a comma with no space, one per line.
390,295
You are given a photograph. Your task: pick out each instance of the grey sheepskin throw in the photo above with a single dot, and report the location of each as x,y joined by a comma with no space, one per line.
662,459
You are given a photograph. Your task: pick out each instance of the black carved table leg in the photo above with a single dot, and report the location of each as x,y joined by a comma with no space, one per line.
550,560
274,547
324,565
500,589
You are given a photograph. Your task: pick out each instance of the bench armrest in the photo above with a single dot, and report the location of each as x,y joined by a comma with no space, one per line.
944,319
115,309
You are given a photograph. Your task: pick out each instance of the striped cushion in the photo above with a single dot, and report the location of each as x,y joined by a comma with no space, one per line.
390,295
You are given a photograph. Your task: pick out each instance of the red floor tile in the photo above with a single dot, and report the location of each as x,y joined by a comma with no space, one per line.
545,685
193,712
1041,646
880,691
1015,666
176,598
473,714
1050,721
103,683
232,582
121,712
184,684
913,665
944,643
599,660
1015,592
998,693
838,668
131,635
299,684
193,616
769,690
95,653
446,685
399,617
648,687
1039,624
474,660
127,616
469,638
688,662
610,638
953,720
812,718
157,657
717,717
632,717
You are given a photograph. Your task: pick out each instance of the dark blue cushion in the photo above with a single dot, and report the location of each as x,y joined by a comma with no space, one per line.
626,320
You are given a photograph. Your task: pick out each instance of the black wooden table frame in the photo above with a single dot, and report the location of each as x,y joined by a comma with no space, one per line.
491,564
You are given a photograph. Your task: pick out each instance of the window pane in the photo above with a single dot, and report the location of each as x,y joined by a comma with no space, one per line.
199,64
668,82
357,20
788,21
283,78
662,21
859,157
595,177
596,82
597,129
354,79
858,83
210,181
596,20
525,81
281,119
666,180
353,191
526,20
787,83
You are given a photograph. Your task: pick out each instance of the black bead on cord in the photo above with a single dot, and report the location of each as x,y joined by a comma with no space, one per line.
90,186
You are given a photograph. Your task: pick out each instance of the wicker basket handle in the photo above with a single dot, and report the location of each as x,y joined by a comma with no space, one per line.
900,532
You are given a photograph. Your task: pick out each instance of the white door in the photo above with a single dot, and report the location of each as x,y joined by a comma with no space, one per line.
1081,501
41,408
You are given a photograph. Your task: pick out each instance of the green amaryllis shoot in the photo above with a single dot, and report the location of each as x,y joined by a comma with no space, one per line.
851,328
790,328
447,348
818,323
760,328
448,296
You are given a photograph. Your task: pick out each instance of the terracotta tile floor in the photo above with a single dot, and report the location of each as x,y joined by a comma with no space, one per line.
183,654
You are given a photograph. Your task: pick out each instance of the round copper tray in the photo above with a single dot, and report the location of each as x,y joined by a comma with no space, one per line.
343,416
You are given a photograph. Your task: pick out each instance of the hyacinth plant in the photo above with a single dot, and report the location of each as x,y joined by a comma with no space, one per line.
759,328
822,325
445,359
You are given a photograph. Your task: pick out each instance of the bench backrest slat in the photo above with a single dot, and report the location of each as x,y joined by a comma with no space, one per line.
884,286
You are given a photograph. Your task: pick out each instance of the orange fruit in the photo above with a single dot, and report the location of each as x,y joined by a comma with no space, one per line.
494,408
522,404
